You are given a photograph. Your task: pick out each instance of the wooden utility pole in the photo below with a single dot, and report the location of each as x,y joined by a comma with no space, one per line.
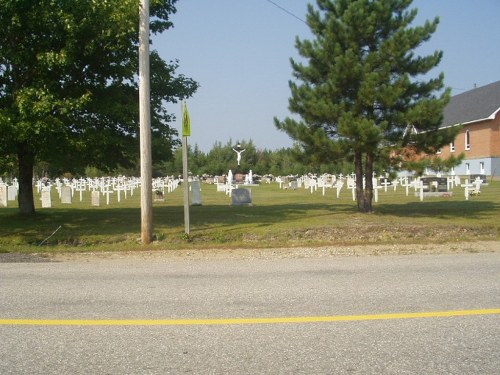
185,183
145,126
186,132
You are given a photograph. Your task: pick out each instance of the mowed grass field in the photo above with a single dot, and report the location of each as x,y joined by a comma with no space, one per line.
278,218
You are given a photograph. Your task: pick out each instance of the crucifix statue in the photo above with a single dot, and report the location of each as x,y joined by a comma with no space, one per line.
238,151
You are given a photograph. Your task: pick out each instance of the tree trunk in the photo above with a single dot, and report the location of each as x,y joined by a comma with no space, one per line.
26,160
364,192
368,193
358,170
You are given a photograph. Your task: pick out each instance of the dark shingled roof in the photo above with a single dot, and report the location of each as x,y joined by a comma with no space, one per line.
474,105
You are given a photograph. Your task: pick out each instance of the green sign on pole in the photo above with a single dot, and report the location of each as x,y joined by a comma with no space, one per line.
186,121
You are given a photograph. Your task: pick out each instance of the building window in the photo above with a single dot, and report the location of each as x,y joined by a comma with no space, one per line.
481,167
467,168
467,139
452,147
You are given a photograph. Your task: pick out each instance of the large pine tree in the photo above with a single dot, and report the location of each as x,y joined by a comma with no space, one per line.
358,88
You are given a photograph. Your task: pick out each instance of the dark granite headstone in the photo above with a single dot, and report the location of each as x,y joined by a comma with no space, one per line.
241,196
435,184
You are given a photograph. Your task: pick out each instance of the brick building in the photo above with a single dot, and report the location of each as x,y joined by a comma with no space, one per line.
478,111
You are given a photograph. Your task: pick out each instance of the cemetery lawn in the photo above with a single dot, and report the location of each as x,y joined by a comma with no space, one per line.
278,219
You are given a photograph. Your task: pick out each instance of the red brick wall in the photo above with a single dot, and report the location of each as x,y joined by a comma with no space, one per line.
484,140
495,137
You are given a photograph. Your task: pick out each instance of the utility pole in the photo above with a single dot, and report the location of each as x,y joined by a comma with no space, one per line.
145,126
186,132
185,183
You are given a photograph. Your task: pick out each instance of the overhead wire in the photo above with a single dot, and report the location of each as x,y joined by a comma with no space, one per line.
286,11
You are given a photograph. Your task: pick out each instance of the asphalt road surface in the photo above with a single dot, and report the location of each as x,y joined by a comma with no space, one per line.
415,314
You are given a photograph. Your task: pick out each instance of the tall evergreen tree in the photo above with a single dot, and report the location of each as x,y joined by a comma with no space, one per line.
358,87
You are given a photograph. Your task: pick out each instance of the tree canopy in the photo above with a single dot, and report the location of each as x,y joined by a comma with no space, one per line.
68,85
358,87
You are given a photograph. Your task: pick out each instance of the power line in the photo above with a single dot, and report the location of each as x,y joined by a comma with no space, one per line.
286,11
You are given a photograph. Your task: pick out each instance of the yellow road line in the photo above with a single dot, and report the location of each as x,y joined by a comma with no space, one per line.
230,321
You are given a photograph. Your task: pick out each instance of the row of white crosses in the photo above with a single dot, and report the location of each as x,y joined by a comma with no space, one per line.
104,185
324,181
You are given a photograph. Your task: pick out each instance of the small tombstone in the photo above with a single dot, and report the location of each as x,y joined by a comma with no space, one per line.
95,198
241,197
11,193
46,199
3,195
158,196
195,193
451,182
239,178
66,195
338,185
442,184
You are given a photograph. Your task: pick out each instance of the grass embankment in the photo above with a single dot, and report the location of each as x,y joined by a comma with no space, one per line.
278,218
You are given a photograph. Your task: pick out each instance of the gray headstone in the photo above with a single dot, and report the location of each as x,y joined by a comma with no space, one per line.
3,195
46,199
241,197
96,198
195,193
66,195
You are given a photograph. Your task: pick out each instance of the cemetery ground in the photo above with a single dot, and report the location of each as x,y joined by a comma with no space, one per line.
279,223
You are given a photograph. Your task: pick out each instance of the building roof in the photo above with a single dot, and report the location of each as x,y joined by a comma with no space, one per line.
482,103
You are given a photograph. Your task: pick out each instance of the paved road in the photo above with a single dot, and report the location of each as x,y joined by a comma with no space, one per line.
162,291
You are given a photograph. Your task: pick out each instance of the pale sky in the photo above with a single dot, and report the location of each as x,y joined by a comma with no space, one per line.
239,51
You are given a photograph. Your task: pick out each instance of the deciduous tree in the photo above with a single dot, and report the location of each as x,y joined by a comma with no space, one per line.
68,84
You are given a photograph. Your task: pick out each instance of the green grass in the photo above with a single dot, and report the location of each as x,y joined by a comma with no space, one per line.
278,218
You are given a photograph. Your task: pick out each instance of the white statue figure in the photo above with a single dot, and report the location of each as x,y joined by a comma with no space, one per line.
239,152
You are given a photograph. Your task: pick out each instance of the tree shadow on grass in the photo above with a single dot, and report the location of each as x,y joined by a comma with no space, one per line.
224,215
116,224
78,223
440,209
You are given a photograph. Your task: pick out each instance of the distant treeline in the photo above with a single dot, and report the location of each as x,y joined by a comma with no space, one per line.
218,161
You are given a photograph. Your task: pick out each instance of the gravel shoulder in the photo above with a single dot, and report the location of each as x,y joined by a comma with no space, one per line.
269,253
